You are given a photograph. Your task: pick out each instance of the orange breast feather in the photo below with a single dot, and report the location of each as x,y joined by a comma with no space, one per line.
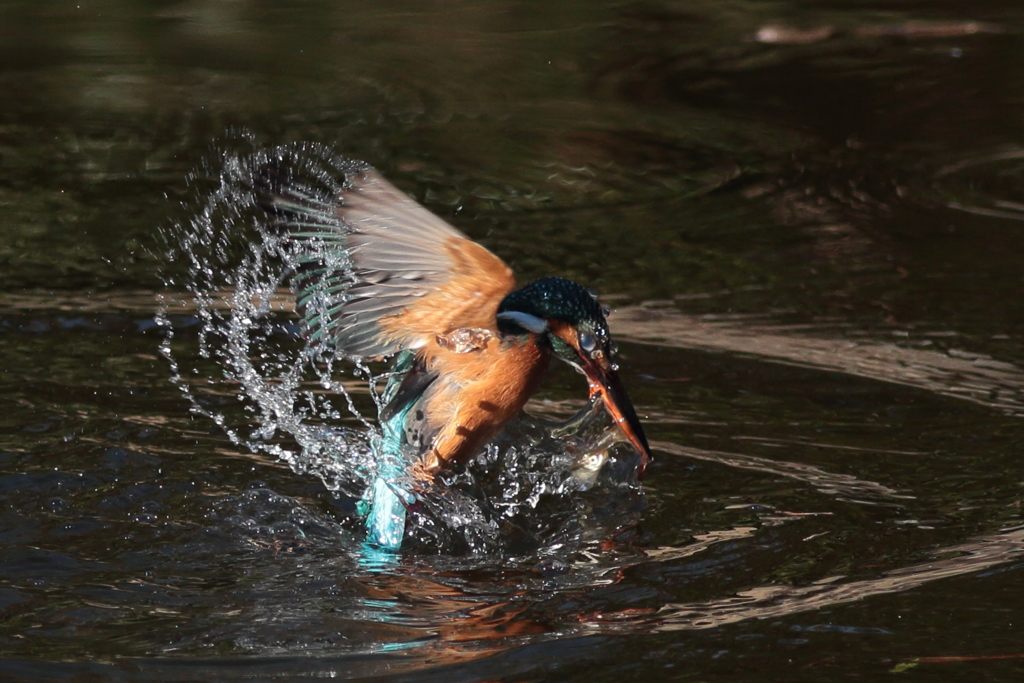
482,391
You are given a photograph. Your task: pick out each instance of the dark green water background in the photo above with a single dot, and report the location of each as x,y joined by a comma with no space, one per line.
808,216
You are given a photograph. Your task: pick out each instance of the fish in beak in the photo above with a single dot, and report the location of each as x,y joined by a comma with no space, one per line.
604,381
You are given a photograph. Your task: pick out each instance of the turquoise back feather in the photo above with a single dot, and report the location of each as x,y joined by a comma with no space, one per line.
386,500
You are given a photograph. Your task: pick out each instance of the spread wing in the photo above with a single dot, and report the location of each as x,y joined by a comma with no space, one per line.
375,271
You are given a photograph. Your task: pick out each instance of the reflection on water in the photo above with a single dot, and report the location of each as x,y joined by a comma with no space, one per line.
776,601
988,185
841,486
961,374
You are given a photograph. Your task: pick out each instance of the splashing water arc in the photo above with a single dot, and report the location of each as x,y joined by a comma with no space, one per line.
238,355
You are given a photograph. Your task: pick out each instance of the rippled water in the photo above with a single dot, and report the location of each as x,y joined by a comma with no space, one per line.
806,218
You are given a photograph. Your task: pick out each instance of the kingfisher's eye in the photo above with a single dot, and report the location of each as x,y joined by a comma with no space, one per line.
587,342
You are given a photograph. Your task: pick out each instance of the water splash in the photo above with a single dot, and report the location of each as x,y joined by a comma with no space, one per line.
236,280
249,368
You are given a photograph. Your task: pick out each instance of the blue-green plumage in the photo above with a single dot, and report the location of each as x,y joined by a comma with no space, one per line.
386,500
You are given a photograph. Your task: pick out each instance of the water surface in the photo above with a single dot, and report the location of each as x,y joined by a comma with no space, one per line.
805,216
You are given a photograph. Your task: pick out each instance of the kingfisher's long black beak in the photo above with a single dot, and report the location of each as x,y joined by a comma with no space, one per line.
605,381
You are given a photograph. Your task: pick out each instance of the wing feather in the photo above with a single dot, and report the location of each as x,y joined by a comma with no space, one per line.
376,272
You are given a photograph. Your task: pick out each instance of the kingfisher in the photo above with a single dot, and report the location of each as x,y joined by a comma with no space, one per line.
377,275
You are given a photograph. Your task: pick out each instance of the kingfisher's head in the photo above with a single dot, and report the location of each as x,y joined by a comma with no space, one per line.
569,316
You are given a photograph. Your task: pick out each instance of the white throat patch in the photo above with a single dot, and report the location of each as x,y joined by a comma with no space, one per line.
525,321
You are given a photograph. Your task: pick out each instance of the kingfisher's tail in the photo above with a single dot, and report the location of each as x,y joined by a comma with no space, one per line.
387,499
